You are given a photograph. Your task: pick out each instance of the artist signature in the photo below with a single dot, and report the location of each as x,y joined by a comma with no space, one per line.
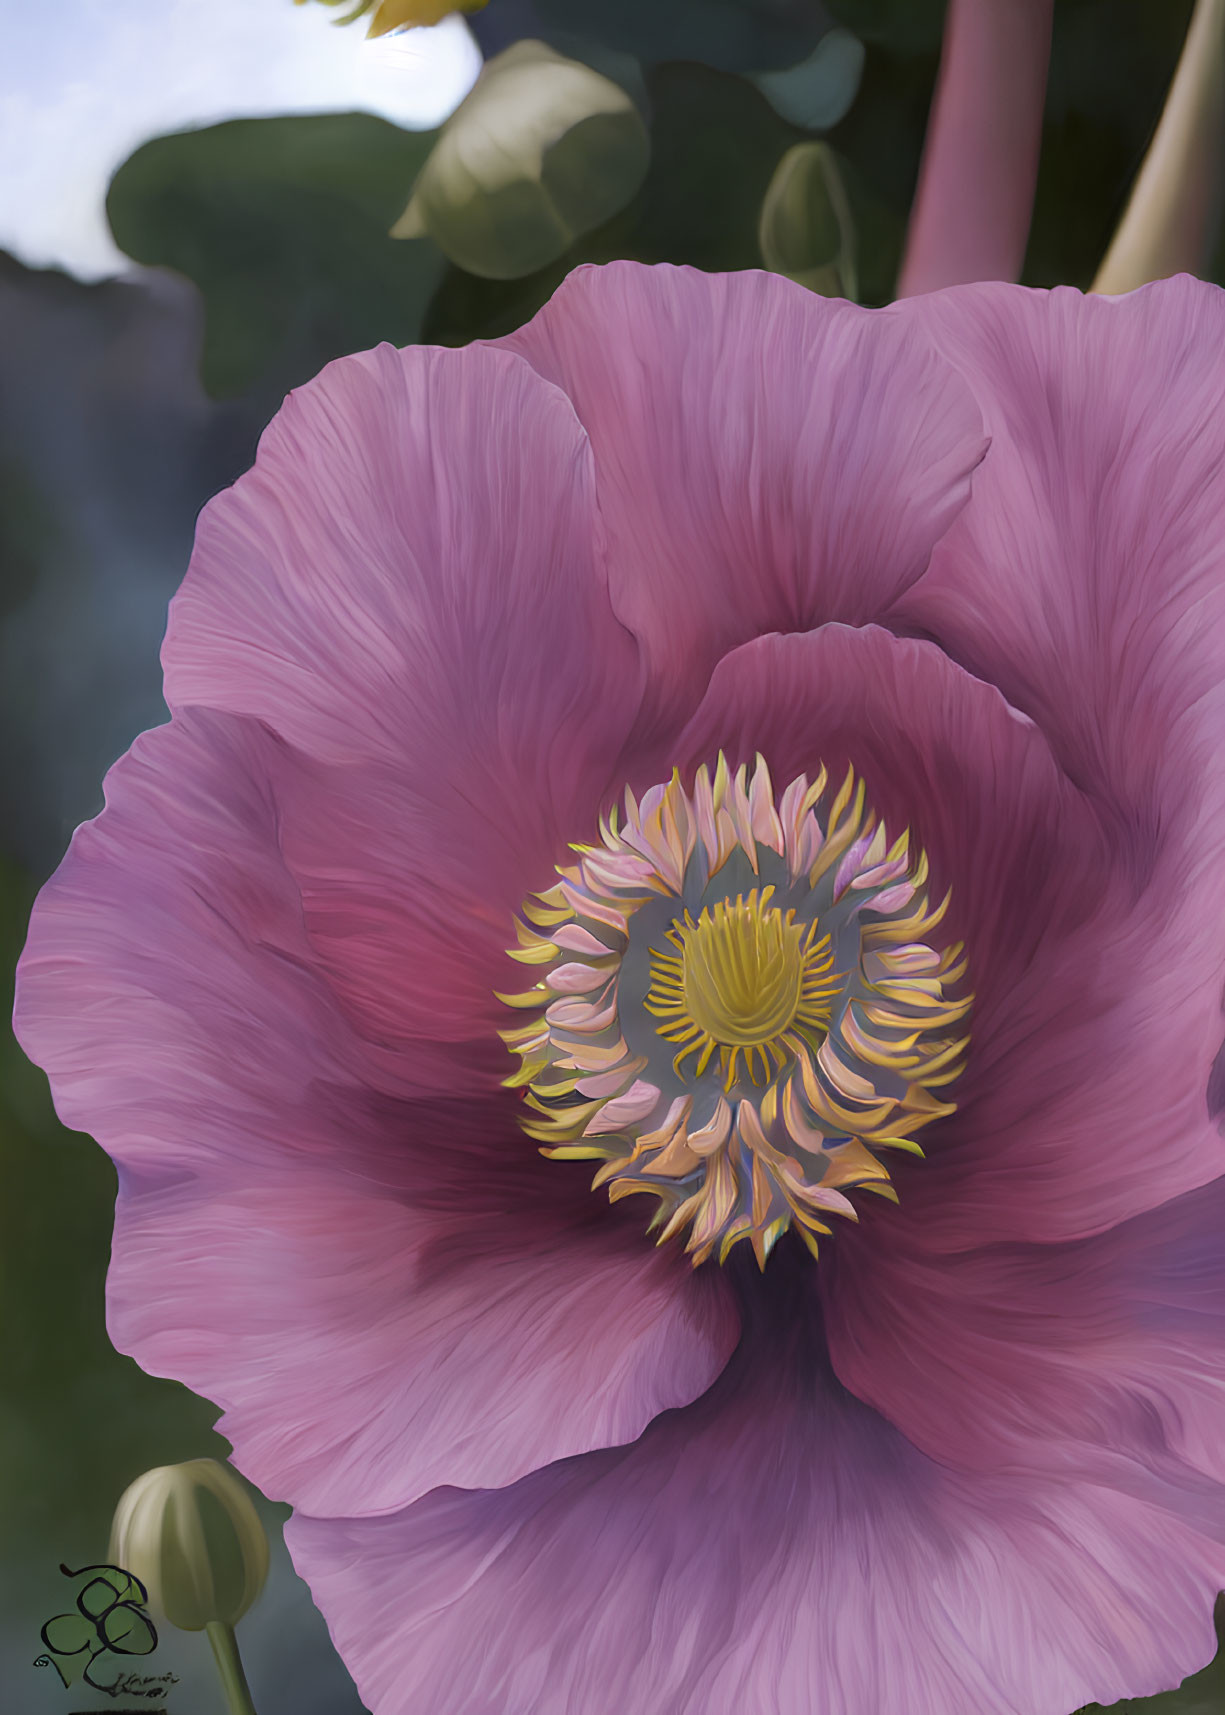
143,1685
109,1620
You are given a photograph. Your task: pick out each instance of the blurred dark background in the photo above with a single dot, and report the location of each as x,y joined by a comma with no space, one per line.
737,134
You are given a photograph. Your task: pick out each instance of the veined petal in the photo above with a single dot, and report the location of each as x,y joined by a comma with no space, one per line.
777,1547
296,1204
766,460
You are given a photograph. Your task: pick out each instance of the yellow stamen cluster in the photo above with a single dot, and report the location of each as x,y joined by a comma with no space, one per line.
747,981
704,1041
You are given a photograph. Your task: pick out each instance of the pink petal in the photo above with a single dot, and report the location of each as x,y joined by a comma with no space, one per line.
637,1102
774,1549
1095,1023
1019,1353
386,1293
576,979
766,459
368,1350
1087,580
1087,577
408,589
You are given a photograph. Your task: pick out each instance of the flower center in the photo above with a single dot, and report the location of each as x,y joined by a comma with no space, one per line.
743,976
738,1009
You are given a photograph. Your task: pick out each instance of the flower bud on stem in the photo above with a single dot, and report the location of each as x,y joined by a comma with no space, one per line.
191,1535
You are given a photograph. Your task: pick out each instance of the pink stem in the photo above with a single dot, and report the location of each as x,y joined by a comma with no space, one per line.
980,163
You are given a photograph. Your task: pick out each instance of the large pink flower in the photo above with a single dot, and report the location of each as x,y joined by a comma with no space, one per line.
791,574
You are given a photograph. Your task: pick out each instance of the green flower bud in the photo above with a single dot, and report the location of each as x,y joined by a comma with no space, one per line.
805,230
192,1536
541,151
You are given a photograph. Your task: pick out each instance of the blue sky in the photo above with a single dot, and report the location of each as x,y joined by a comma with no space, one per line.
83,82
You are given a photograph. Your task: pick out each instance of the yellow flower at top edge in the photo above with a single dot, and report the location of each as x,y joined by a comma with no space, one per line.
388,15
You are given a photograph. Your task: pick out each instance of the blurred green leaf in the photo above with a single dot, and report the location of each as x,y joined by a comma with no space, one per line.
542,151
283,224
715,142
818,92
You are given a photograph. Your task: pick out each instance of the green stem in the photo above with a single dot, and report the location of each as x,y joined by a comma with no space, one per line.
229,1667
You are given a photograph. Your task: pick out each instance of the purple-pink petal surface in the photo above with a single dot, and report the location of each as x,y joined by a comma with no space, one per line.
969,1458
777,1545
